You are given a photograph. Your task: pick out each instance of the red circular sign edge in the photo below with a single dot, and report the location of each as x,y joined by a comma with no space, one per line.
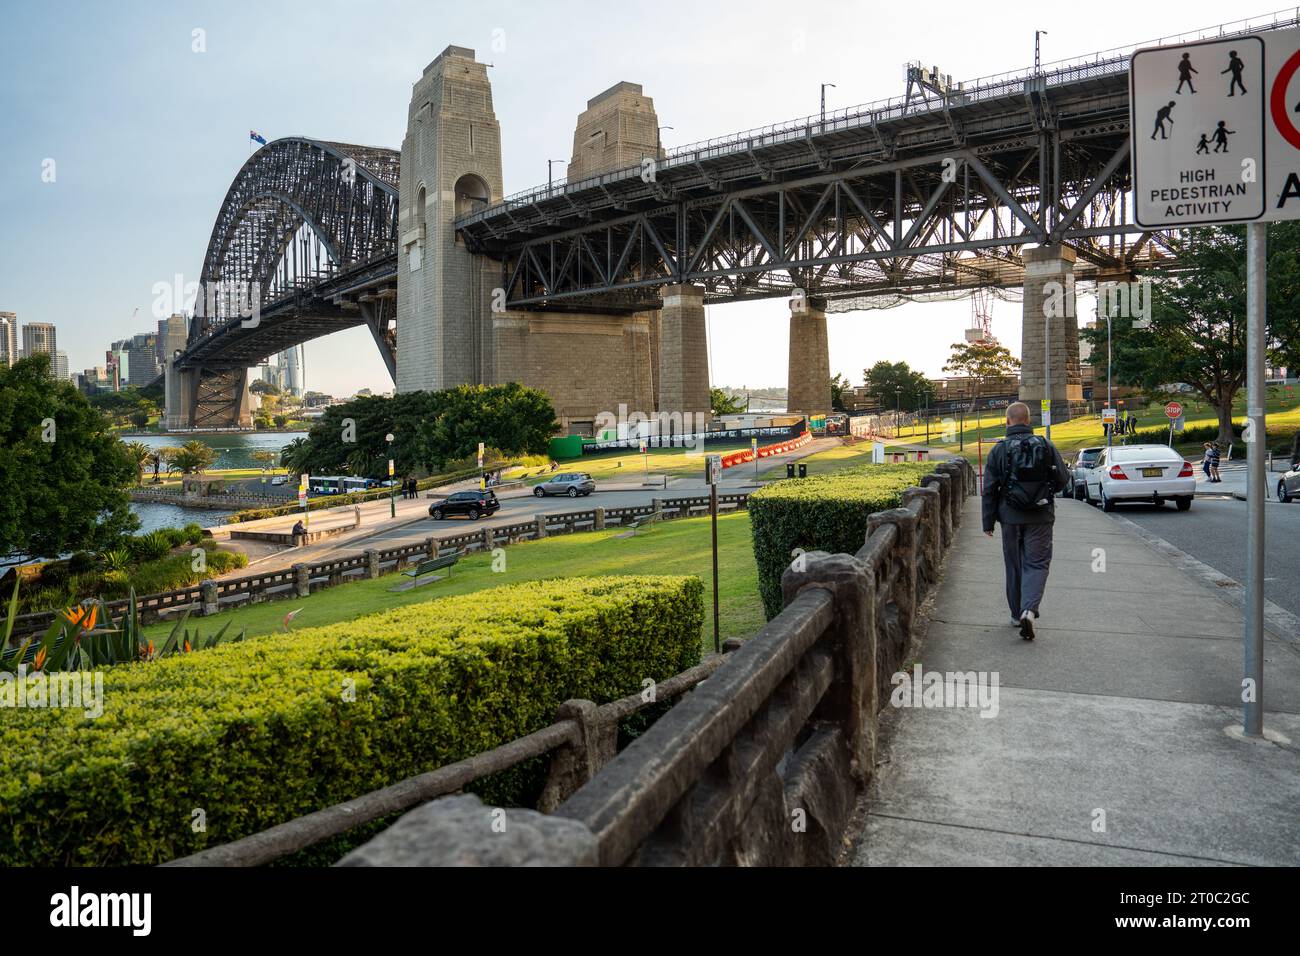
1277,101
1175,414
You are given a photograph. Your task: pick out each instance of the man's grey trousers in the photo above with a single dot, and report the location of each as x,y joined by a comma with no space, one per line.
1027,554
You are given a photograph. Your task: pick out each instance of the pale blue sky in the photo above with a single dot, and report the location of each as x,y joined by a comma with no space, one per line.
148,134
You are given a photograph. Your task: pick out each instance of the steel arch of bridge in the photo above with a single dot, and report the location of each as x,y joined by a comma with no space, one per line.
310,228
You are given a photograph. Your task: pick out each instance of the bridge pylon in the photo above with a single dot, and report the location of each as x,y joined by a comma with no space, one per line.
808,389
1050,325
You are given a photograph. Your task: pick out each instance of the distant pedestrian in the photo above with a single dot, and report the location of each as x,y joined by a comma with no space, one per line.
1205,463
299,534
1214,462
1022,477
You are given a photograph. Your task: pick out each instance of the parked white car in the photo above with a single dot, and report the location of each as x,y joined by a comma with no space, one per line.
1152,473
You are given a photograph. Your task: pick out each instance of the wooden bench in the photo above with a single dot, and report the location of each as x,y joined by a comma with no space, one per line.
431,565
643,521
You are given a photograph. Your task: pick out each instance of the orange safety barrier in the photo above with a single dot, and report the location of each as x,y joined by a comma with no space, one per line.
740,457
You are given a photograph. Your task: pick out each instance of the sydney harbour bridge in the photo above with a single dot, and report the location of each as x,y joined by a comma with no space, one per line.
1005,182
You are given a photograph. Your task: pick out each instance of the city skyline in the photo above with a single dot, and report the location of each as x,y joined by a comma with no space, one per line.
79,172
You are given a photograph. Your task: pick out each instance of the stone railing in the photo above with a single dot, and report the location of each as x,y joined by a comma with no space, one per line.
583,739
210,597
763,762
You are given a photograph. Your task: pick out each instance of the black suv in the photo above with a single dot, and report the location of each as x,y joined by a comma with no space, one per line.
476,504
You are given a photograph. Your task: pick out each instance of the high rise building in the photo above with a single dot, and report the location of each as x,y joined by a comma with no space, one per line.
292,371
142,359
39,337
61,366
8,338
115,363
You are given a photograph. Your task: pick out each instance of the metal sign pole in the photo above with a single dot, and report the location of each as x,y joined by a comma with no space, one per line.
1256,292
713,520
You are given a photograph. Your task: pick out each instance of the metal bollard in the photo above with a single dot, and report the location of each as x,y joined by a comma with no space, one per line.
803,470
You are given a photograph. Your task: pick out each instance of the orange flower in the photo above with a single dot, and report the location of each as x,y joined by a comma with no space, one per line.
83,617
187,645
39,659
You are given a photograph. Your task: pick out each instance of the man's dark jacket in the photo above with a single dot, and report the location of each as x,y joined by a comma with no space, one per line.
996,507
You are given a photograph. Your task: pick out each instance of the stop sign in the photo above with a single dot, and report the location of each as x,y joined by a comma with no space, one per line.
1174,410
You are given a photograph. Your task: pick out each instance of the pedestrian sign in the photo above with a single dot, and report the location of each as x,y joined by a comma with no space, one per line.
1215,129
1108,416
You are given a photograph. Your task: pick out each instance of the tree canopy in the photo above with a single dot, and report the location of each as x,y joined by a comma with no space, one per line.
63,475
896,385
1196,330
429,430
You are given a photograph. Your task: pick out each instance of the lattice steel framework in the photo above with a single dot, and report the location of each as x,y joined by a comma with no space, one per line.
308,232
916,197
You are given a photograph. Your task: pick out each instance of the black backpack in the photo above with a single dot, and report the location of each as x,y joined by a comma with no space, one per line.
1030,482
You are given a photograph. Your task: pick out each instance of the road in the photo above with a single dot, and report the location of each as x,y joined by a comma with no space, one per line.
1214,532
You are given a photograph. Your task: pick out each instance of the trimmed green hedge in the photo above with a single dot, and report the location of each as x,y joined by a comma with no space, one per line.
260,732
820,513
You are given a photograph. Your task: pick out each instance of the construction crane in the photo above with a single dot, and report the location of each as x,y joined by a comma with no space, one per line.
981,317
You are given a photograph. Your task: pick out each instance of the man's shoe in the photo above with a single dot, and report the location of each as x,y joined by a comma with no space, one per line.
1027,625
1015,622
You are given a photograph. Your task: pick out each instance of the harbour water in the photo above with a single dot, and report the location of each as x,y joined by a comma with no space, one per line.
234,450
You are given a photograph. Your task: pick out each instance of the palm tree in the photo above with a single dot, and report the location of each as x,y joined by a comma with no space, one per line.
294,455
140,453
193,456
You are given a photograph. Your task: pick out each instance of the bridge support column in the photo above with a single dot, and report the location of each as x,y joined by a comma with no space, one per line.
684,354
809,375
1050,334
178,392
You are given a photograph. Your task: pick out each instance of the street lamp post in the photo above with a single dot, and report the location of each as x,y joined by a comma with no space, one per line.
824,85
392,501
659,140
549,178
898,408
1037,61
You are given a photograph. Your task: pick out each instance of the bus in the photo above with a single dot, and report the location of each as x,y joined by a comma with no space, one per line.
325,485
359,484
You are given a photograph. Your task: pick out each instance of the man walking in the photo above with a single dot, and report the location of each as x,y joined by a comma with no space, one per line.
1022,476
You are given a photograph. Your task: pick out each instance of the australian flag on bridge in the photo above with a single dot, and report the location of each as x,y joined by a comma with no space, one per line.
256,137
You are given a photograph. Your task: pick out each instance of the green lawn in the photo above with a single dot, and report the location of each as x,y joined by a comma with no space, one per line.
680,546
632,466
1069,436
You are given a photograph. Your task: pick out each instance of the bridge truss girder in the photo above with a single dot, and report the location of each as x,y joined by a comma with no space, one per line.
949,220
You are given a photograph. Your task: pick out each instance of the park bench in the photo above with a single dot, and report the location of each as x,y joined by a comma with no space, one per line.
641,522
431,565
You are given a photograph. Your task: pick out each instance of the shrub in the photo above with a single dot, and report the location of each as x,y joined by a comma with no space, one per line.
271,728
150,547
820,513
81,562
193,533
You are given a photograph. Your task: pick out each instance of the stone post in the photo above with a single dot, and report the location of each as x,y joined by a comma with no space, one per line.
372,563
577,762
431,548
208,590
540,522
599,524
904,555
945,485
851,701
488,540
809,375
356,510
302,580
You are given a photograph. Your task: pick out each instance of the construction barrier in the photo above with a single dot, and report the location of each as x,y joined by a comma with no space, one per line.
766,451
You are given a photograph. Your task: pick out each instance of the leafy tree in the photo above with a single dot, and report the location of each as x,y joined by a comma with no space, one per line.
193,456
983,362
281,420
896,384
140,419
1196,330
263,387
839,385
724,403
63,475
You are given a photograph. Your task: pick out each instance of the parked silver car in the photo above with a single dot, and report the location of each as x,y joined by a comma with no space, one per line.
571,483
1083,463
1288,486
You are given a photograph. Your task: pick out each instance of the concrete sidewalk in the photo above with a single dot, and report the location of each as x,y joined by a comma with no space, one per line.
1112,742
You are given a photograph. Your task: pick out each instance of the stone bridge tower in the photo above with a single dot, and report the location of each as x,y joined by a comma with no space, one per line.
451,163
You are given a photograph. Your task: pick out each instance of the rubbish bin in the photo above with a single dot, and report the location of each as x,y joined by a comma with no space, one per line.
803,470
789,469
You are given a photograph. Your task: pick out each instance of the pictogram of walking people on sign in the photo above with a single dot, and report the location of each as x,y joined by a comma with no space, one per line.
1219,136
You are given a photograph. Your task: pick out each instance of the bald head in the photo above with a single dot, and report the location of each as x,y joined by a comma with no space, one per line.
1017,413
